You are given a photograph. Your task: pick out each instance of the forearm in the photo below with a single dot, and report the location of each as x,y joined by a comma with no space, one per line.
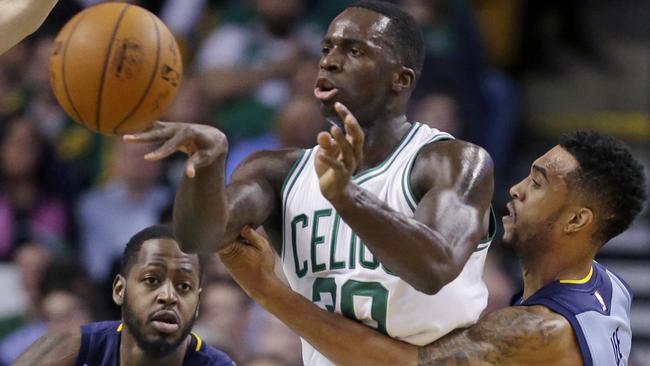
418,254
200,209
341,340
20,18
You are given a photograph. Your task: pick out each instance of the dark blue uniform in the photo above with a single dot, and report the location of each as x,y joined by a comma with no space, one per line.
100,346
598,308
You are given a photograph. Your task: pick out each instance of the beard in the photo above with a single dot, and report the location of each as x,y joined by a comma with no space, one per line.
157,348
534,241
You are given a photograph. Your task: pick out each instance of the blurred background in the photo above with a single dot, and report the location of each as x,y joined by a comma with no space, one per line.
509,75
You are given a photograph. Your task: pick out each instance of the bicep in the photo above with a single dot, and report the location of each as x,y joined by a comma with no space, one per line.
61,349
510,336
455,180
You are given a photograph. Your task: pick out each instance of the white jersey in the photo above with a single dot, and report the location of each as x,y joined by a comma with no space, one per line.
326,262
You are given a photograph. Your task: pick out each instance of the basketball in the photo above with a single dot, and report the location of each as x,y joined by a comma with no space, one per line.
115,68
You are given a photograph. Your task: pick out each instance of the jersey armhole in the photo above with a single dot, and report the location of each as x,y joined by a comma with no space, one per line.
289,182
407,189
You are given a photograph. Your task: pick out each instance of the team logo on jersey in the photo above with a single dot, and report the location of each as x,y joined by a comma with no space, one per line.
616,346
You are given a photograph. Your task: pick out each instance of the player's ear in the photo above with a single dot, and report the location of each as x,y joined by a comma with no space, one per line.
119,286
403,79
580,219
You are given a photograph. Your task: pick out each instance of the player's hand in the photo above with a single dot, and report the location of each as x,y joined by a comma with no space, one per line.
251,262
203,143
339,156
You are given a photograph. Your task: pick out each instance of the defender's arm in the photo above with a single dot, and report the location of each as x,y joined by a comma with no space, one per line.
60,349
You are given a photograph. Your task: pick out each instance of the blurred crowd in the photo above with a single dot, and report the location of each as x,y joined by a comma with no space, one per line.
70,199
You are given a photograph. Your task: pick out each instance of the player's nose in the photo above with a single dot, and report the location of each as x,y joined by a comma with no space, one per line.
167,293
332,61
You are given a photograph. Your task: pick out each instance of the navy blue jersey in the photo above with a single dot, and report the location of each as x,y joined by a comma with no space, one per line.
598,308
100,346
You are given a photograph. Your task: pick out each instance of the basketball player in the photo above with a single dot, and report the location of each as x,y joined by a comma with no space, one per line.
573,311
158,289
20,18
386,223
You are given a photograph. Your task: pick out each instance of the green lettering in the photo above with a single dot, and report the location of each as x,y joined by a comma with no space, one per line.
316,240
334,264
300,218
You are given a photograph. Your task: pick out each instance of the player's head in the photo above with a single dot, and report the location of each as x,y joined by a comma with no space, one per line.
586,190
158,289
371,57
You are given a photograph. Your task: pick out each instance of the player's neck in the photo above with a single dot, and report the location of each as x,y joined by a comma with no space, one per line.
544,270
382,138
132,355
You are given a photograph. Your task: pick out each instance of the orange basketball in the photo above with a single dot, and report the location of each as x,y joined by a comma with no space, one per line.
115,68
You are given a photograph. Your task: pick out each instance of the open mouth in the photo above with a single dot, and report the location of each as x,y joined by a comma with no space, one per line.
512,215
325,89
165,321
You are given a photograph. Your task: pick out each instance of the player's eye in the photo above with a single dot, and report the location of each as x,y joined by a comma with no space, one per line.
151,281
355,52
185,287
325,50
536,184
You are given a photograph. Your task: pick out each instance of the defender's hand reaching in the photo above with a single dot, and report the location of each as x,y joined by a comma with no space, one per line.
339,156
251,262
203,143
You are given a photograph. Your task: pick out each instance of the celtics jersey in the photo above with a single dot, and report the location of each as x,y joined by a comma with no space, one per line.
326,262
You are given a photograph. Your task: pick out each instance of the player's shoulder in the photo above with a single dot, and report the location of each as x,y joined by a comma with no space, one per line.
206,355
454,151
448,162
271,164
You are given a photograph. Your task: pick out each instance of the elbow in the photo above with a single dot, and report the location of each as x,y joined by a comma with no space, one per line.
193,243
436,278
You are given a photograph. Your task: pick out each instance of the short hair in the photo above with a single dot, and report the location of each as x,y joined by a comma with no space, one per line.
134,245
607,171
405,32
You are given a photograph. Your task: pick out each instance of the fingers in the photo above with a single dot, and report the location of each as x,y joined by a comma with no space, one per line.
254,238
160,132
347,152
167,148
332,162
354,133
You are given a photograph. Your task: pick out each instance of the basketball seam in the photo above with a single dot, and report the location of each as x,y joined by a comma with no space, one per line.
63,59
151,80
108,56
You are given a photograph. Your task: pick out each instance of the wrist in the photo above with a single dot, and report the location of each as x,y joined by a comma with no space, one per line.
345,199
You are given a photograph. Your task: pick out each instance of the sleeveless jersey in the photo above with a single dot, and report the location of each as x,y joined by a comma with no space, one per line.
326,262
100,346
598,309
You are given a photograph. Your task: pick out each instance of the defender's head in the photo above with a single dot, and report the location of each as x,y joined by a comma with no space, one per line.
580,194
158,289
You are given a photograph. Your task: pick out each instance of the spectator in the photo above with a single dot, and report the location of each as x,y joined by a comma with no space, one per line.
110,214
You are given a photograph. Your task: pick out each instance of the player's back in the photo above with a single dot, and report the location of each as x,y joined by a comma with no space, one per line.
598,309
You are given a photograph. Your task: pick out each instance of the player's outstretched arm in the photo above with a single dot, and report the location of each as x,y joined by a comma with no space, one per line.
533,336
200,213
455,182
512,336
251,260
206,213
20,18
59,349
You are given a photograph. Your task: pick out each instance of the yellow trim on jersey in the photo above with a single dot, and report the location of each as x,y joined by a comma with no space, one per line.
199,342
580,282
120,327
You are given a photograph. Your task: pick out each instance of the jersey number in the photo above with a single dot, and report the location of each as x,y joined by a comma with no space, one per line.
351,288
